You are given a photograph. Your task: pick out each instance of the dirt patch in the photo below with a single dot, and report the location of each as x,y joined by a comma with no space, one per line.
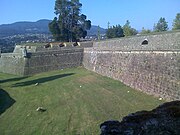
88,79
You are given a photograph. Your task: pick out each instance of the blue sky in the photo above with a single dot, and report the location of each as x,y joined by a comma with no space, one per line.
140,13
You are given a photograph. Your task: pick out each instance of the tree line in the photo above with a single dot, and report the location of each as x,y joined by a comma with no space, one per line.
70,25
119,31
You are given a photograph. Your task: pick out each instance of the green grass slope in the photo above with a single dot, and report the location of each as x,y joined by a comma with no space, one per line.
77,101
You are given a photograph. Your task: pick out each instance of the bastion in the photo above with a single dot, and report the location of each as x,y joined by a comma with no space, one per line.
30,59
149,63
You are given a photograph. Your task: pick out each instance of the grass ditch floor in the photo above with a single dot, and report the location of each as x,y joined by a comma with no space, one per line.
77,101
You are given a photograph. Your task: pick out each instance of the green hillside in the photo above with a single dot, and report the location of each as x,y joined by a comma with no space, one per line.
77,101
38,27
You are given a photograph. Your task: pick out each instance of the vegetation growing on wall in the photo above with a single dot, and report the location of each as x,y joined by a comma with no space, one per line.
145,31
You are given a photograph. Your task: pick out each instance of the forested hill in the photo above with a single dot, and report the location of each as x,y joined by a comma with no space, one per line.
94,30
38,27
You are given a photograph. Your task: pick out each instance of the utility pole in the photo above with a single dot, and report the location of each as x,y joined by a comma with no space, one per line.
108,25
98,33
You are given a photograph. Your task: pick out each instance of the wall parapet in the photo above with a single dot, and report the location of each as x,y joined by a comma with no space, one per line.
167,41
47,47
101,50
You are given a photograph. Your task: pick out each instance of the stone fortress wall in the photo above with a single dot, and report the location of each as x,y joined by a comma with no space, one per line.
153,67
12,63
53,60
164,41
40,59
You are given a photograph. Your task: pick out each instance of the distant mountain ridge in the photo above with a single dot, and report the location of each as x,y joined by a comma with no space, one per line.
94,30
38,27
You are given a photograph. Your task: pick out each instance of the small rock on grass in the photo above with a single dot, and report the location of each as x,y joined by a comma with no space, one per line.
40,109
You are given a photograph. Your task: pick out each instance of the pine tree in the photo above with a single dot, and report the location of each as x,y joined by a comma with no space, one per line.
115,32
70,24
128,31
162,25
176,22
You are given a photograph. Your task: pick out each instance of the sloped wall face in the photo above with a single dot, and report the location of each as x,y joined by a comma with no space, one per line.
153,72
166,41
12,63
53,60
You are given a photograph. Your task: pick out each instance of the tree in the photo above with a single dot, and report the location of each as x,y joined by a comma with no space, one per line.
54,28
162,25
115,32
128,31
176,22
70,24
145,31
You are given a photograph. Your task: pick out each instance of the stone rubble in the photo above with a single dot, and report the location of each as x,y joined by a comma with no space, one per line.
163,120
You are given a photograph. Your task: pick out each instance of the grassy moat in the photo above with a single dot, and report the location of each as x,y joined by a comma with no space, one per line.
76,100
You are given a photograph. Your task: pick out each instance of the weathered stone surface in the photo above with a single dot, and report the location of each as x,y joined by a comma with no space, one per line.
37,62
12,63
166,41
164,120
41,59
154,72
53,60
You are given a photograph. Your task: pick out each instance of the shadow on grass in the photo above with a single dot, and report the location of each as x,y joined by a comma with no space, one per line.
41,80
5,101
12,79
